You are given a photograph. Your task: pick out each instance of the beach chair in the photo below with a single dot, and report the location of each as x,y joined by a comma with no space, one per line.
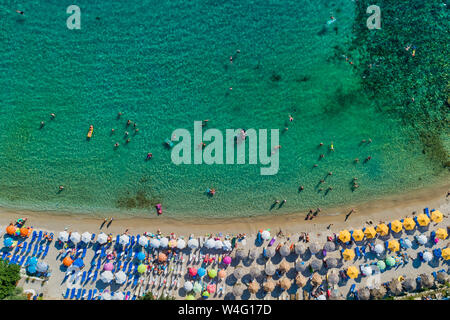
67,293
16,250
99,264
134,297
35,249
386,244
39,238
12,259
130,267
84,253
29,248
427,212
402,243
4,255
24,248
118,265
46,251
135,280
117,240
94,278
22,260
33,236
132,241
83,277
103,253
78,294
100,292
434,273
94,294
89,275
125,265
28,260
72,293
41,249
358,253
137,238
89,297
127,295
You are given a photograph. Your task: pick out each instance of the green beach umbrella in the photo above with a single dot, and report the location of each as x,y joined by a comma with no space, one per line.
212,273
205,294
381,265
142,268
197,287
390,261
190,297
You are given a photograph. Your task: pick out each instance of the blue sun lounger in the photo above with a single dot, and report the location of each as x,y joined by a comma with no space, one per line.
117,239
83,294
35,249
84,253
118,265
134,298
33,237
22,260
358,253
28,260
125,265
100,292
132,241
72,293
67,293
89,297
24,248
137,238
41,249
94,278
99,264
78,294
83,277
29,248
39,238
135,280
103,253
93,294
130,267
4,255
127,296
16,249
46,251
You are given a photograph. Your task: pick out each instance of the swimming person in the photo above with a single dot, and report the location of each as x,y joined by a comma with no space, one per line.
20,12
42,124
290,118
149,155
52,116
331,146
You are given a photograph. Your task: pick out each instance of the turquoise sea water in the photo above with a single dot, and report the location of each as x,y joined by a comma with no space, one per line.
165,64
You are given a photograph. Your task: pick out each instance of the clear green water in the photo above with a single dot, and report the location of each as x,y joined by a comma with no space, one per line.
165,64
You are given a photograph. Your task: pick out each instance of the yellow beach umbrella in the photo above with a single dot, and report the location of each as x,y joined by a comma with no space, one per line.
352,272
382,229
441,234
423,220
358,235
393,245
348,254
409,224
370,232
436,216
446,254
396,226
345,236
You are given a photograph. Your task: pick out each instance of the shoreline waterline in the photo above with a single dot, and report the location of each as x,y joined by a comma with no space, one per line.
385,209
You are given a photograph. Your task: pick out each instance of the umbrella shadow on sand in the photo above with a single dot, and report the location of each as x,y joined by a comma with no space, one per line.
230,280
306,256
182,292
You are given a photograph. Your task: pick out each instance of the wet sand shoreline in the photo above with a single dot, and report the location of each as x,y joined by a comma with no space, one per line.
384,209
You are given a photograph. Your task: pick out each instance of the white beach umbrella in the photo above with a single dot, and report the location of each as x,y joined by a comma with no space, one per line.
143,241
155,243
285,251
270,269
366,270
300,265
270,252
218,244
379,248
86,237
321,297
118,296
181,244
188,286
193,243
41,266
164,243
427,256
121,277
124,239
106,295
227,245
422,239
210,243
63,236
106,276
408,243
265,235
299,248
102,238
314,247
75,237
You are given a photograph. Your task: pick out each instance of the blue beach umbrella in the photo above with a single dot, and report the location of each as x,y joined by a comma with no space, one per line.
31,269
8,242
33,261
140,256
201,272
78,263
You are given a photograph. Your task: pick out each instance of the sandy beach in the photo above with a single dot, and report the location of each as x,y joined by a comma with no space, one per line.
379,210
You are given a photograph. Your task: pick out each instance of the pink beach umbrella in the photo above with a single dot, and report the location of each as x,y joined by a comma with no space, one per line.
192,271
108,266
211,288
227,260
